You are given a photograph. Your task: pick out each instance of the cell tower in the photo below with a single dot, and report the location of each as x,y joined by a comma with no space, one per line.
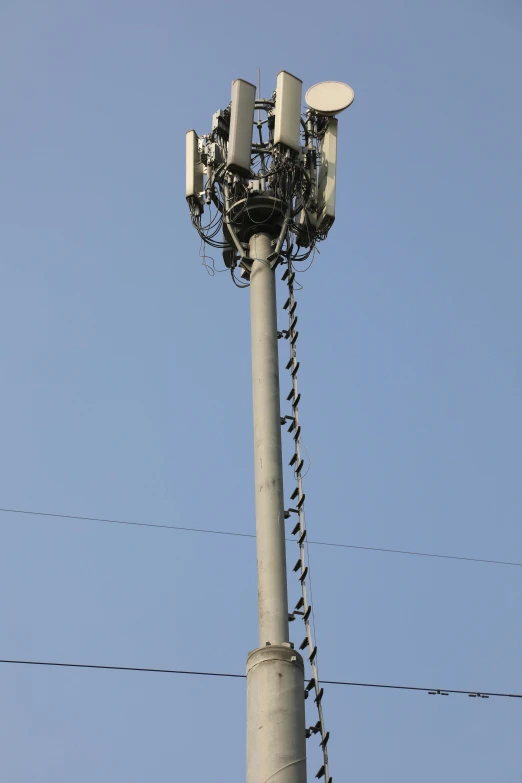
269,187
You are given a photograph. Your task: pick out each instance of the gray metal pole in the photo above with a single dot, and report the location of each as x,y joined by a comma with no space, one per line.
276,743
270,522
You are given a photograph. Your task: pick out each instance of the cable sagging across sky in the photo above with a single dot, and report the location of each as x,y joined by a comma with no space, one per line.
431,691
252,535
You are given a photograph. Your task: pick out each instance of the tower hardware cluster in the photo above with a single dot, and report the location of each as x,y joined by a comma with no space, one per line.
261,187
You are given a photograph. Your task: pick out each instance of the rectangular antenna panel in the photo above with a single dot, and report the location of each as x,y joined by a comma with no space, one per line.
241,127
327,177
288,110
194,183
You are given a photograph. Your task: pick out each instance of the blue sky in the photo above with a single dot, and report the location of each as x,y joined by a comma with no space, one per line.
126,389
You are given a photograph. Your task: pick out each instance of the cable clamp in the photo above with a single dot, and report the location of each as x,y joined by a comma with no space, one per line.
315,729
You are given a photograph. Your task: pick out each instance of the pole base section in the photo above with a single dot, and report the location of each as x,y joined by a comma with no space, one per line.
276,741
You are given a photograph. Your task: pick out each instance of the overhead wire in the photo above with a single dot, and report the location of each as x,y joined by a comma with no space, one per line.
212,531
189,672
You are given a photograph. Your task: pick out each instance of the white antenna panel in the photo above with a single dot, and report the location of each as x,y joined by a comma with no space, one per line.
195,168
241,127
288,110
327,177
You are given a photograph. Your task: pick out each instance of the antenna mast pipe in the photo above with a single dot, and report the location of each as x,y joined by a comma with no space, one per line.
268,463
276,740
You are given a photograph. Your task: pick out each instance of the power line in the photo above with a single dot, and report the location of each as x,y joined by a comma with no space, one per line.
251,535
123,668
417,554
431,691
127,522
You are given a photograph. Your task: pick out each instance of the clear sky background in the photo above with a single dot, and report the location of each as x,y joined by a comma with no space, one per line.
126,390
